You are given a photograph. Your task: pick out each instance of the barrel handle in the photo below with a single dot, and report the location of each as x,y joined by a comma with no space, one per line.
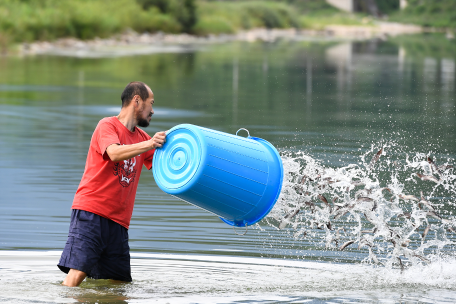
246,228
244,130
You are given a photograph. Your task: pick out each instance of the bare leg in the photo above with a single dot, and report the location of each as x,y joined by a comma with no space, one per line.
74,278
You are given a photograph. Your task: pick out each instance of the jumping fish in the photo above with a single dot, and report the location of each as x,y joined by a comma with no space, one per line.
374,230
440,169
421,257
433,165
405,214
449,229
311,206
364,199
425,232
443,168
373,256
368,199
431,178
346,244
405,243
375,158
324,200
287,218
408,197
434,215
400,264
426,203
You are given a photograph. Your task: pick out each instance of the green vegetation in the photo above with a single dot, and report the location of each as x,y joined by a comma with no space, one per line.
432,13
32,20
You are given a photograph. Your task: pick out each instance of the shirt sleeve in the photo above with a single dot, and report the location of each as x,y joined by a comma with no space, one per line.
148,159
106,135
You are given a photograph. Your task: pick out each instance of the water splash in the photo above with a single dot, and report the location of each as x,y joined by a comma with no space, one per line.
395,207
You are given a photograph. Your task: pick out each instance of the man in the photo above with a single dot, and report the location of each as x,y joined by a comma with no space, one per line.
97,244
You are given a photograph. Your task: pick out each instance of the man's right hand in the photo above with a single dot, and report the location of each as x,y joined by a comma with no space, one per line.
159,139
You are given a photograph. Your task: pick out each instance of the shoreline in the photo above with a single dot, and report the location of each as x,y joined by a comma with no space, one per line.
132,43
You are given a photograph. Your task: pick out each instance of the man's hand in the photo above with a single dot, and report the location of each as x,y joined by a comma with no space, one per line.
158,140
118,152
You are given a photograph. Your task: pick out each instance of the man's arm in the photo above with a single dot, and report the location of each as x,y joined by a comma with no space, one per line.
118,153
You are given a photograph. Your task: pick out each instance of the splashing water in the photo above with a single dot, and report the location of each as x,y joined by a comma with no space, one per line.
397,211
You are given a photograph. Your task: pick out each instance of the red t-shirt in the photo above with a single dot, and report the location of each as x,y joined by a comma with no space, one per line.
108,188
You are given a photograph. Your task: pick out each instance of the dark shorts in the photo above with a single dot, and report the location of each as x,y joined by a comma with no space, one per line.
96,246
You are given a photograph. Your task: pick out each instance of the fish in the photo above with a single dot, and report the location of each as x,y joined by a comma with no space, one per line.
421,257
434,215
375,158
338,233
374,230
328,225
299,233
373,256
443,168
400,264
311,206
405,243
408,197
431,178
287,218
368,199
449,229
346,244
405,214
387,189
364,199
324,200
357,183
304,178
426,203
440,169
298,189
425,232
433,165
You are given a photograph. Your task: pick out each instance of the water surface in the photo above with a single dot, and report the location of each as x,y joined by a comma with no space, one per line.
324,105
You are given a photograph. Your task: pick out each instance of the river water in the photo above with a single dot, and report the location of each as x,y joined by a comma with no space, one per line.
328,106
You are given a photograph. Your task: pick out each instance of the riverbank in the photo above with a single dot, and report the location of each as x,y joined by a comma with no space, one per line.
133,43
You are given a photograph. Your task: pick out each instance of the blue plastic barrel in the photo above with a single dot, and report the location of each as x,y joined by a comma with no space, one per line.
237,178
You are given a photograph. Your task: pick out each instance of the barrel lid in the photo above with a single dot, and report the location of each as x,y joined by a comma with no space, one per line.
176,163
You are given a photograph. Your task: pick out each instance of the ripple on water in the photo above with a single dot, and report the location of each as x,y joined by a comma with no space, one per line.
32,277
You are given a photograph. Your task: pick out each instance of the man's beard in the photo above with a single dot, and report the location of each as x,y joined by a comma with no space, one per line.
141,121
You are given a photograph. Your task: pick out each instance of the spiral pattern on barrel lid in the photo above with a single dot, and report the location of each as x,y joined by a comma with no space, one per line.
176,163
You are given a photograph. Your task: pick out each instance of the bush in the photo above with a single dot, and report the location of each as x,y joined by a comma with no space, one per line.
184,11
153,21
213,25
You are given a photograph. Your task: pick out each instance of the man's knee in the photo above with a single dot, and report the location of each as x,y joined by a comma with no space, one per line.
74,278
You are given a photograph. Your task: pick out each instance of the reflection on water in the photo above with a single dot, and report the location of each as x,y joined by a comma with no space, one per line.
332,102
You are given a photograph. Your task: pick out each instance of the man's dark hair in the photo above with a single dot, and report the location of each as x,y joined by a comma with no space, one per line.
132,89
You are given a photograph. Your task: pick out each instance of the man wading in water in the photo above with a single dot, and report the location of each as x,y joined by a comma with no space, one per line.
97,244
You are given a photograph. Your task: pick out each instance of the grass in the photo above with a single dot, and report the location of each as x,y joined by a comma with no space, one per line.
430,13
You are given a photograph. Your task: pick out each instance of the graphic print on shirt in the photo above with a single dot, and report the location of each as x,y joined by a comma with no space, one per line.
125,171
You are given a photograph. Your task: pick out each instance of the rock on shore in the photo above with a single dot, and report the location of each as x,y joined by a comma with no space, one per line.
132,43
